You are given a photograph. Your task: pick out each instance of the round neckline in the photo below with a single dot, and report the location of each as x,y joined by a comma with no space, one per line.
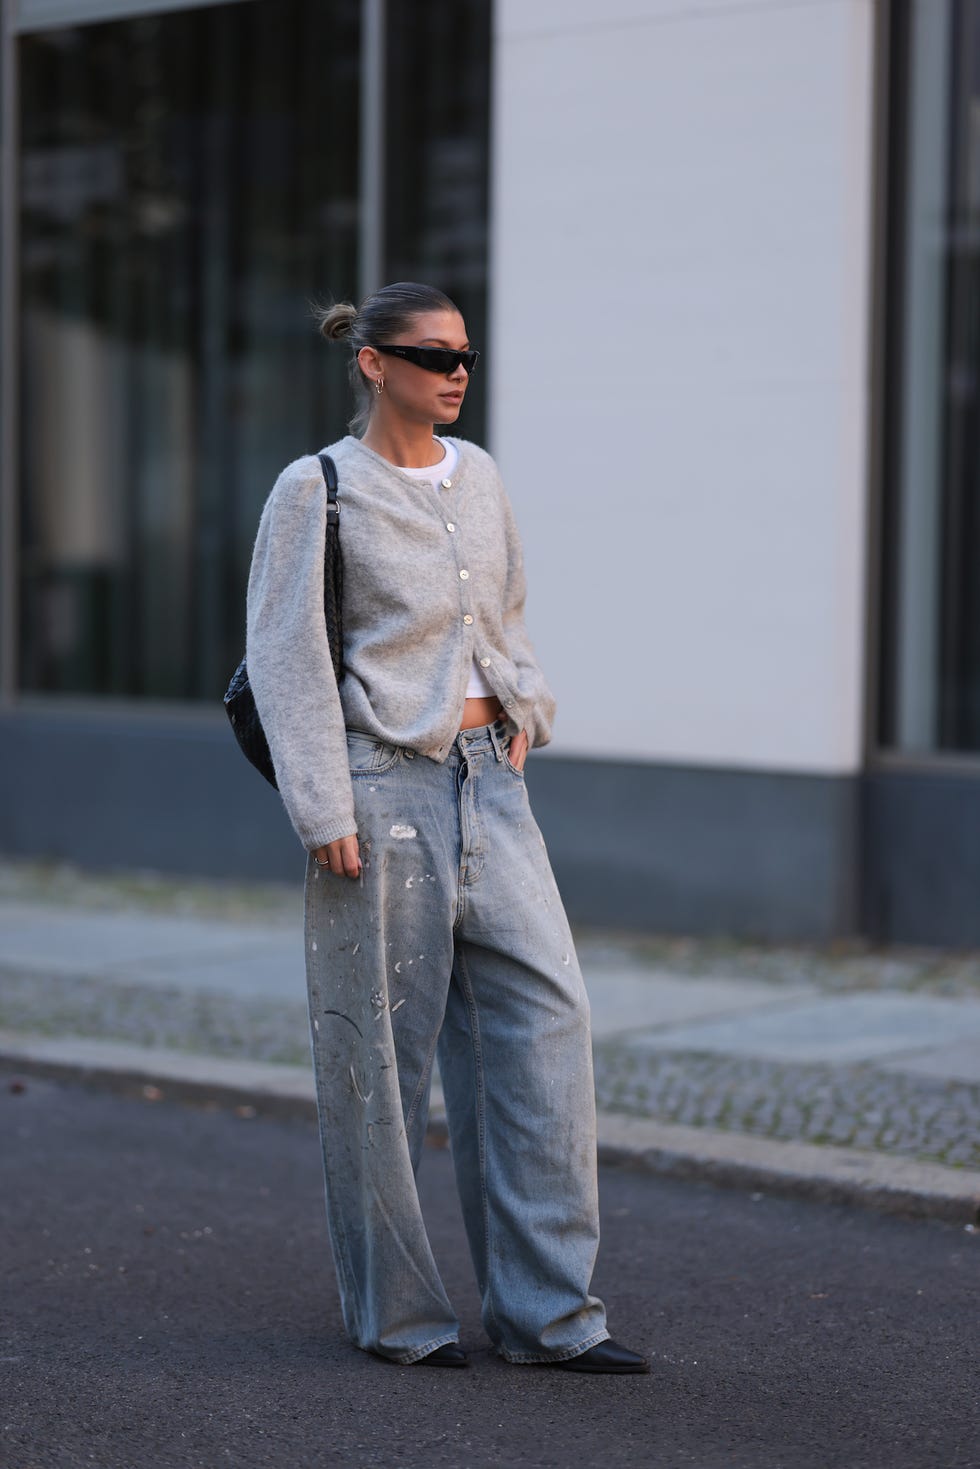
431,471
406,474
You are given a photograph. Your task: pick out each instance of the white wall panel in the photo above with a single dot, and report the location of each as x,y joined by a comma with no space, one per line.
682,202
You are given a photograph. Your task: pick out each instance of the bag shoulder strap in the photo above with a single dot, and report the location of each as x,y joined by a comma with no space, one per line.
333,569
330,480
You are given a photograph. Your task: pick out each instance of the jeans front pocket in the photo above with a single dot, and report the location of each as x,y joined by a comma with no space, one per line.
368,755
510,766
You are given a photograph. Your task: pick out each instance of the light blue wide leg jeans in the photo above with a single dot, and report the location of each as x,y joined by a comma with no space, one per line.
455,937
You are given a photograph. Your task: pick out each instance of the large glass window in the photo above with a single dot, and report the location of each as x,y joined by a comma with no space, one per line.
931,666
189,182
437,109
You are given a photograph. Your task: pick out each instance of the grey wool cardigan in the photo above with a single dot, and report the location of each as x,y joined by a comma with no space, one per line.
431,577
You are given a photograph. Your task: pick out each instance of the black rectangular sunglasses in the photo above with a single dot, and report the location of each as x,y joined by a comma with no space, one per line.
433,359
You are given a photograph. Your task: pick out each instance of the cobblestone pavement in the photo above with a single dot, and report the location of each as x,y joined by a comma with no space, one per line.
844,1106
856,1105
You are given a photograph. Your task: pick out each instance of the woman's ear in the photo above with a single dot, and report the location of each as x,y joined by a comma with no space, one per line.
369,361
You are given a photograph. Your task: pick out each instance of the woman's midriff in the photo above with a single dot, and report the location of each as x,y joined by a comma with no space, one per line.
480,711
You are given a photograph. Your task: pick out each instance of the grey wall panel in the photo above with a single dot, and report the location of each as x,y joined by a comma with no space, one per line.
701,851
922,858
634,845
117,792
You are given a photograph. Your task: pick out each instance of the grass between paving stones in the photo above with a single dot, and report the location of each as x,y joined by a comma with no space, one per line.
834,968
152,892
841,1106
840,967
174,1019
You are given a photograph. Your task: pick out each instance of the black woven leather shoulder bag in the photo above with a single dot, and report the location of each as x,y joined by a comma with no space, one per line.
239,700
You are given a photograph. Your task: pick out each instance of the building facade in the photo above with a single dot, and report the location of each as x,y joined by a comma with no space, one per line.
725,262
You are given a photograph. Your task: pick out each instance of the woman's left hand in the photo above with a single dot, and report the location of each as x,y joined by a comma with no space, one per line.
517,753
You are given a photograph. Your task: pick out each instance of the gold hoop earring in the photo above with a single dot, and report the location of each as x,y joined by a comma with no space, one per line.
379,385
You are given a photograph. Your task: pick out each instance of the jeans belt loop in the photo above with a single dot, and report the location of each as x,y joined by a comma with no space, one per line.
495,740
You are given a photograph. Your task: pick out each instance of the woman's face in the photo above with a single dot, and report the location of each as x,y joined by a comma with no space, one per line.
414,393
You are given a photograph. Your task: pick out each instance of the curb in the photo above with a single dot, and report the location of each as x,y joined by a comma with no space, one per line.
887,1183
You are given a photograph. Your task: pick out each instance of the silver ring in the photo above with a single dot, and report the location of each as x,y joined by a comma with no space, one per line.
325,862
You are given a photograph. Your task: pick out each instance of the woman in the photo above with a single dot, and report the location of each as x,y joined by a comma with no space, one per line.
432,917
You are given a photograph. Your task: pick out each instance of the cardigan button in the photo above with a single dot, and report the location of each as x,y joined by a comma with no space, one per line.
467,619
447,484
464,575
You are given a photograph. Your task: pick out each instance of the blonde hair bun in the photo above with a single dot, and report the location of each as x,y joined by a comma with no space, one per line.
337,322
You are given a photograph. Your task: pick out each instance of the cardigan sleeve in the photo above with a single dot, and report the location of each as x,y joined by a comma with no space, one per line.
288,657
534,695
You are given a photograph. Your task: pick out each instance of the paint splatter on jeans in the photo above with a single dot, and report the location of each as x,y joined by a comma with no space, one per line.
453,937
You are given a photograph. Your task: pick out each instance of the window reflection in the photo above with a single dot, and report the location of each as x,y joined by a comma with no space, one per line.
188,182
437,105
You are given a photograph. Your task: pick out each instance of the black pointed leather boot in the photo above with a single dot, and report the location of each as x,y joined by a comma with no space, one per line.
607,1356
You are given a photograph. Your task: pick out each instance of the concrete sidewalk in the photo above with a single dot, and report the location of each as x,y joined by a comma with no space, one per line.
849,1075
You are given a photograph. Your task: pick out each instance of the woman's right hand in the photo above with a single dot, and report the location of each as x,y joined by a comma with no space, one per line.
342,857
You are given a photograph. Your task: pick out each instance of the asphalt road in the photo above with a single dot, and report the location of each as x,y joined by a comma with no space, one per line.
168,1300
